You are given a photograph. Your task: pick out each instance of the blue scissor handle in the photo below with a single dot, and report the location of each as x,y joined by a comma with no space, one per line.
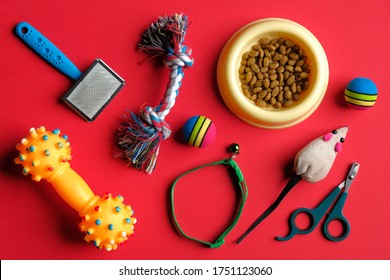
337,215
315,216
294,229
47,50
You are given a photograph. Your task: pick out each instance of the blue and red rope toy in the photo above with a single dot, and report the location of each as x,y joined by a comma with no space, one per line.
139,137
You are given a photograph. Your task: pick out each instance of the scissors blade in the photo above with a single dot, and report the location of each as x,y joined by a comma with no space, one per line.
351,175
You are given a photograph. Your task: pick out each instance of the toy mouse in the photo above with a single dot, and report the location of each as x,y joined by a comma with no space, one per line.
105,220
312,164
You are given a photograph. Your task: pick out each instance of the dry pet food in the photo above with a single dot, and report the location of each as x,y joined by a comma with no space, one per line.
274,73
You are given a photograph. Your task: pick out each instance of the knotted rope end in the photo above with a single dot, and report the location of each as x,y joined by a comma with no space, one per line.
138,142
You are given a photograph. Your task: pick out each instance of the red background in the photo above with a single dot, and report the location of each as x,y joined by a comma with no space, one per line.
37,224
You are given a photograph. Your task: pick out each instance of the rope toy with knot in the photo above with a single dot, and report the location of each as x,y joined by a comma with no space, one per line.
139,137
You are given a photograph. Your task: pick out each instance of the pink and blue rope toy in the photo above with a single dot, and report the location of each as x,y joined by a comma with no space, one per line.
139,137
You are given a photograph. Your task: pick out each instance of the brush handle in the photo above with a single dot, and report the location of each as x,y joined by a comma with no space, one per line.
47,50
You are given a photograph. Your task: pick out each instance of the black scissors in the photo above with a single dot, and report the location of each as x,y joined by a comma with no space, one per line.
319,212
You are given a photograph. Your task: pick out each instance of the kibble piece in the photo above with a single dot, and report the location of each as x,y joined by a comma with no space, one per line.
277,57
271,71
259,76
273,65
251,61
286,74
289,43
246,93
275,91
303,75
261,103
284,60
256,47
253,53
280,77
253,81
256,90
297,69
299,63
293,56
264,41
262,94
282,50
287,95
266,83
273,77
255,68
291,80
261,52
274,83
291,62
248,77
288,103
289,68
266,62
268,96
293,88
270,48
281,96
267,53
278,104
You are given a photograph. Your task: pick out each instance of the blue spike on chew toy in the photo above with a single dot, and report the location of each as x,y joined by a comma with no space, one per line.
361,93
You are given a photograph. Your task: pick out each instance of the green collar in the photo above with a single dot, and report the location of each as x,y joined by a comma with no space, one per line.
239,182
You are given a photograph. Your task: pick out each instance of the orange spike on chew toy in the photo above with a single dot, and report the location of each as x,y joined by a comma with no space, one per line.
105,220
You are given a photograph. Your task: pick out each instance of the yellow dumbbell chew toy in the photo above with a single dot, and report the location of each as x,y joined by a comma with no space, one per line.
105,220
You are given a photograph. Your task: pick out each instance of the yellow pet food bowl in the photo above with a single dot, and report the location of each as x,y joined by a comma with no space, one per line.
230,85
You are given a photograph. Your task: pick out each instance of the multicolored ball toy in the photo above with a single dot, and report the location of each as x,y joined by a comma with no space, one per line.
199,131
106,221
361,93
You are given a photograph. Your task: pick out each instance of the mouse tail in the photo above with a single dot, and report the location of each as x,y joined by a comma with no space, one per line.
290,184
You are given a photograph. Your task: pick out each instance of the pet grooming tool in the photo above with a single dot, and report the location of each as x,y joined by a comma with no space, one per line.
338,194
312,164
93,89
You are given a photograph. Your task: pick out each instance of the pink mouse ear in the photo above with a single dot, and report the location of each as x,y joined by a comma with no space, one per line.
328,136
